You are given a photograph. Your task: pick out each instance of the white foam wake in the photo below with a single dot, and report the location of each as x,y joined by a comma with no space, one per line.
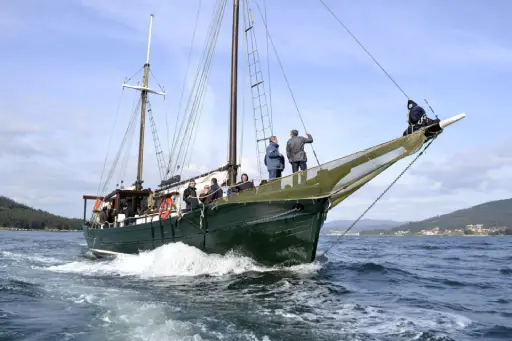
176,259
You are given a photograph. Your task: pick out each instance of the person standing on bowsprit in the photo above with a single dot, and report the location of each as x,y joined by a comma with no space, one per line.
295,150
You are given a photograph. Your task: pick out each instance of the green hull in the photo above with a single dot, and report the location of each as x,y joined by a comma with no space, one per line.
270,233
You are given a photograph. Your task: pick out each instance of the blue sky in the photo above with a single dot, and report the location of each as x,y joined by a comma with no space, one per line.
64,61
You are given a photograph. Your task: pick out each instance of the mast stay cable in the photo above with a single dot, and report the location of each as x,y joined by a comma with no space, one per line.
129,129
268,72
192,111
125,147
175,135
124,159
110,140
285,78
197,101
403,92
379,197
360,44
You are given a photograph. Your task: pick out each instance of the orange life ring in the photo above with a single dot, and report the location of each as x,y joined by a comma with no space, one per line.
165,208
97,205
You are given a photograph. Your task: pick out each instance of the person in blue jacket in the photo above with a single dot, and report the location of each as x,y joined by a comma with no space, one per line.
274,160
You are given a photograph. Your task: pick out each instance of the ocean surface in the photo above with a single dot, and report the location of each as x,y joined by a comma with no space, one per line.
370,288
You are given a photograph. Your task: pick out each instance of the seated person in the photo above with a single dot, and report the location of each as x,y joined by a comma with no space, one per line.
417,118
244,184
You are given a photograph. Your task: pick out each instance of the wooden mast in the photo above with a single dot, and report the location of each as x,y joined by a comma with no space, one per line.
144,90
234,90
143,98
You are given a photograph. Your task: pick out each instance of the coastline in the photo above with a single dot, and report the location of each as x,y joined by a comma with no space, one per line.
35,230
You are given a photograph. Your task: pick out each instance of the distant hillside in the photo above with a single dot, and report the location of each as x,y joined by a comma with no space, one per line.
14,214
363,224
490,214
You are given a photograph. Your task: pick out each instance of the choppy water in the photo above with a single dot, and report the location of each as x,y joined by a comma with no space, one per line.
373,288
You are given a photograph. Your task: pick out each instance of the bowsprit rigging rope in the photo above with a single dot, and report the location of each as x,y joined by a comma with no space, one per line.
379,197
285,78
360,44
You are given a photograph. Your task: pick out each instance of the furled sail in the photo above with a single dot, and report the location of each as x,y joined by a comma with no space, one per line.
336,179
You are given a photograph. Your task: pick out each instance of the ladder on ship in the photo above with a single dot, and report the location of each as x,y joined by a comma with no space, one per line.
156,141
261,110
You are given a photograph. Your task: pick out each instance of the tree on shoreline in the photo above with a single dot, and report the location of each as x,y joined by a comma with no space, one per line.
14,214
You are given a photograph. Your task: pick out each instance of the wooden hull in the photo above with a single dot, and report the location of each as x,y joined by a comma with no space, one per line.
270,233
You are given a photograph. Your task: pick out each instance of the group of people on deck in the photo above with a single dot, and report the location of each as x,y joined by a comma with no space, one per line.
211,192
295,153
274,161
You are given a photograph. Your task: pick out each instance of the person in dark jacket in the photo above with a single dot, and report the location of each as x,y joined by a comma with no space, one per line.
295,150
190,196
103,216
416,113
417,118
244,184
215,191
274,160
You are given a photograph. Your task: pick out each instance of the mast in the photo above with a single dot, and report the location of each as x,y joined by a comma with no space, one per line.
143,98
234,90
144,90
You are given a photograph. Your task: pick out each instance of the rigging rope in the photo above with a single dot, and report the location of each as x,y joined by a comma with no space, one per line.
167,128
285,78
176,134
360,44
244,6
125,158
156,80
118,155
193,141
197,94
130,78
198,99
268,72
110,141
104,189
380,196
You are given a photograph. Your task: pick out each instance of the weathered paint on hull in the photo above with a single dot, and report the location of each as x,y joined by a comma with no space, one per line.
251,229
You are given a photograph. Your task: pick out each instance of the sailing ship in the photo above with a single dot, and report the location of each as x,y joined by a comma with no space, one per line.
274,222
